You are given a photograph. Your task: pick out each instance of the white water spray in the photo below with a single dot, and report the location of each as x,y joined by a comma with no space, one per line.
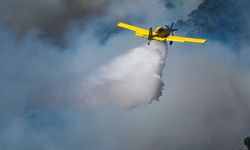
131,79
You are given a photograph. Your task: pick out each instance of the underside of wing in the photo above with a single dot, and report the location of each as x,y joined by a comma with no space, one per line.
139,31
185,39
159,38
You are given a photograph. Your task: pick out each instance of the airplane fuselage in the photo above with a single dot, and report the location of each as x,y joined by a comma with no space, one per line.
162,32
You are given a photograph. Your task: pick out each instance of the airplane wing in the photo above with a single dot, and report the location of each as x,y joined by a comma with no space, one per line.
145,33
180,39
185,39
138,30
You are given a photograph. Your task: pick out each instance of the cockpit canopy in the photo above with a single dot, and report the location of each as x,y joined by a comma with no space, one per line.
159,29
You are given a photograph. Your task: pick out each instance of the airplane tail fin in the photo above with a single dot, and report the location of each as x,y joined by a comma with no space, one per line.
150,35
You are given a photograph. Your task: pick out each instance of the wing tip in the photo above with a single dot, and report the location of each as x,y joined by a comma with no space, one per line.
119,24
204,41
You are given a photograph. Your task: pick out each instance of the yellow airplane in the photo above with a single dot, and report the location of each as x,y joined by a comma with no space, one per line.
160,34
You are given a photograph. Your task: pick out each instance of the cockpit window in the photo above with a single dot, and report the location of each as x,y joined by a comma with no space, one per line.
160,30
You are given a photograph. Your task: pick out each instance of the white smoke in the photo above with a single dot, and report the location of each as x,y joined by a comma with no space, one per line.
131,79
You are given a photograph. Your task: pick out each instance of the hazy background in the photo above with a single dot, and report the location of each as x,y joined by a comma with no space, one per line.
49,48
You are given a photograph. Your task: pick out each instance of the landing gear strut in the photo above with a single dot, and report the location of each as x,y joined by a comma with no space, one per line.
150,35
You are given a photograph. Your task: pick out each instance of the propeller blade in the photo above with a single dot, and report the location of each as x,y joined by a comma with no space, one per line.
167,26
174,30
172,25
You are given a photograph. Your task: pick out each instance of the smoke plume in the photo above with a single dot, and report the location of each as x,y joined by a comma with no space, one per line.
52,18
205,105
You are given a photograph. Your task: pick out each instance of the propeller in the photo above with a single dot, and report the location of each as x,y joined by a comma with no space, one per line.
167,26
171,31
